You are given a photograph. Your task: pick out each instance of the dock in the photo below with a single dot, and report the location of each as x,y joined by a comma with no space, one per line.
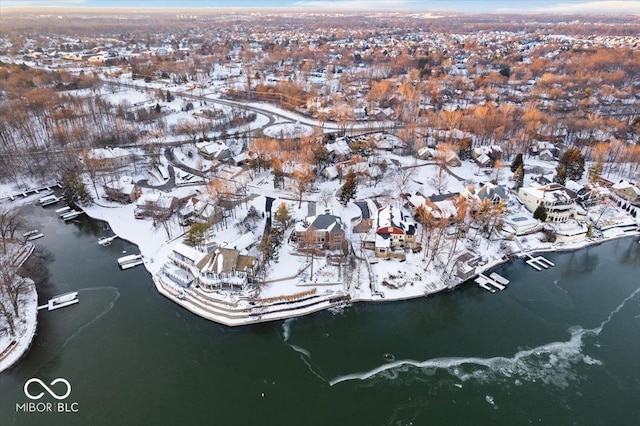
61,301
63,210
105,241
539,263
483,283
71,215
49,200
498,278
31,191
492,282
130,261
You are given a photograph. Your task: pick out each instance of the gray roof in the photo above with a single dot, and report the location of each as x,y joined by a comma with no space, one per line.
325,221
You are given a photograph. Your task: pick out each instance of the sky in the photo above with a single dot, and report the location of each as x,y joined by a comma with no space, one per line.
468,6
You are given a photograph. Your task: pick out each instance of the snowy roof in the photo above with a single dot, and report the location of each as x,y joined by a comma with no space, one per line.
330,172
339,147
188,252
626,185
243,242
104,153
212,148
390,218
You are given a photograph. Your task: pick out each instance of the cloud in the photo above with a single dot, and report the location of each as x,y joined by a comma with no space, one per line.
601,6
355,4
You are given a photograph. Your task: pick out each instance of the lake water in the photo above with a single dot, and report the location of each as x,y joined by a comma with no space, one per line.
561,346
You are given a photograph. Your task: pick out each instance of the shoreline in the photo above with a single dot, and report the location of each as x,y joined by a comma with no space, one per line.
19,347
217,310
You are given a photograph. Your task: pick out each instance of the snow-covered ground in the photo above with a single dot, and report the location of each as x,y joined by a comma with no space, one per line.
12,347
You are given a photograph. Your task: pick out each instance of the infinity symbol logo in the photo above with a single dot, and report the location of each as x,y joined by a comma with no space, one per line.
47,388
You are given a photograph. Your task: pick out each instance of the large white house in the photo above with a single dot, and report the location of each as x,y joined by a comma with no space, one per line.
217,269
558,201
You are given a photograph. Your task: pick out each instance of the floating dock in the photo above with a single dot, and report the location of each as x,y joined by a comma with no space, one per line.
130,261
492,282
49,199
105,241
61,301
483,283
71,215
539,263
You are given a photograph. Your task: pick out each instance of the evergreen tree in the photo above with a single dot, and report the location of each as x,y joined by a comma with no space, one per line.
540,213
516,163
349,189
518,177
74,189
570,166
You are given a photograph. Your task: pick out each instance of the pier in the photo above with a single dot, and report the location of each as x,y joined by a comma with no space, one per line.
61,301
539,263
130,261
492,282
31,191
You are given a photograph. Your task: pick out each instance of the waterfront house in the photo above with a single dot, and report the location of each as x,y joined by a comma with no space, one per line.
394,231
627,191
558,201
156,205
225,267
220,268
123,190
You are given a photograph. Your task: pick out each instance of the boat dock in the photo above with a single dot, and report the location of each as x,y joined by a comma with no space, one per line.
539,263
49,200
28,192
130,261
61,301
63,210
492,282
105,241
70,215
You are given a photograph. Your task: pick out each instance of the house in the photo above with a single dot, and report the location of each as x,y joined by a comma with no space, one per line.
225,267
558,201
485,156
521,224
324,232
450,158
393,231
214,150
627,191
222,267
488,191
587,194
156,205
546,155
106,159
123,190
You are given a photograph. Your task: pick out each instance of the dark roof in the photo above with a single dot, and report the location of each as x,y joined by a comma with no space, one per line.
324,221
441,197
